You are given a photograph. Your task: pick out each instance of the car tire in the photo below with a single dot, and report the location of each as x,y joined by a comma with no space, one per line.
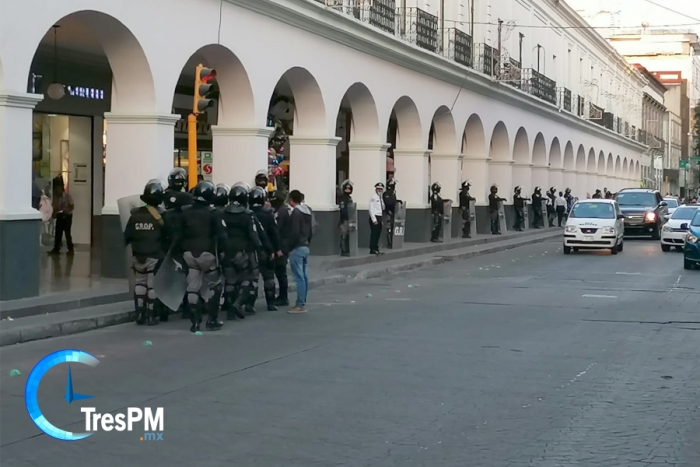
665,248
567,250
656,233
614,250
621,246
687,264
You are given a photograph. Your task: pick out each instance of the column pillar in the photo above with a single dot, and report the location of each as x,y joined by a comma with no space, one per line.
412,173
139,148
238,153
556,178
540,178
477,170
501,173
20,224
579,191
312,171
522,175
447,170
568,182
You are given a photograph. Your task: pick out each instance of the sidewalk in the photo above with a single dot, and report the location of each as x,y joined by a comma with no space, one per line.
65,314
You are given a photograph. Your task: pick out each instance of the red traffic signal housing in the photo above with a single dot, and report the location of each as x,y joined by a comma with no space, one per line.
205,89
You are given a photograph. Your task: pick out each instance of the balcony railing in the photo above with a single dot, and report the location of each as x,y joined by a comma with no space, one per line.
618,125
460,47
485,60
581,106
513,73
608,120
564,99
595,113
382,15
419,27
626,133
539,86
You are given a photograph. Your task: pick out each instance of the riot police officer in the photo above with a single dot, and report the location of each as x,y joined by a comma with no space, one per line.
551,212
202,234
282,217
239,263
390,201
220,199
266,261
464,207
147,234
494,201
519,205
437,209
537,208
344,202
176,197
569,200
261,179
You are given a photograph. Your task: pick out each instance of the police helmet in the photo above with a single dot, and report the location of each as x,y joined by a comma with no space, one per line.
538,189
177,179
238,196
466,184
379,185
347,184
256,197
567,191
204,192
220,195
153,192
552,189
518,189
436,187
494,188
391,184
261,178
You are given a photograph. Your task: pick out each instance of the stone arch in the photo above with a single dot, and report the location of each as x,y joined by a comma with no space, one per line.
581,159
133,88
630,173
609,167
602,168
591,164
625,169
309,107
443,133
521,147
408,125
236,105
499,149
539,151
637,174
365,120
618,167
474,139
569,162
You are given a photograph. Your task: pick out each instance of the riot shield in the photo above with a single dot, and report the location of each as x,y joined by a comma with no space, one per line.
526,217
170,282
399,225
352,228
446,230
545,217
502,218
125,205
472,218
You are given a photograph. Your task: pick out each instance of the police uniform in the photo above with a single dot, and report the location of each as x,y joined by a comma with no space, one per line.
282,218
519,205
537,208
344,202
390,200
266,220
465,200
437,208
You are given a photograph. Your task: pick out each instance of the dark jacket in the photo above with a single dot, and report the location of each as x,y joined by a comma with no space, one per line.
464,199
389,197
437,205
241,231
202,229
146,235
493,201
177,199
300,228
266,219
344,200
519,201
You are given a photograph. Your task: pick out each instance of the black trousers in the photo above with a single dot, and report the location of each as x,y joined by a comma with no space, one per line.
561,212
467,225
495,222
375,233
390,230
519,218
437,226
64,223
281,273
345,237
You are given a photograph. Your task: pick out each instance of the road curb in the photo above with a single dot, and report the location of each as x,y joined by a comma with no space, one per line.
16,332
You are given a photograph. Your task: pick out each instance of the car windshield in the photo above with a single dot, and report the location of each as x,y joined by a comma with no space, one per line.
636,199
696,220
593,211
684,213
672,203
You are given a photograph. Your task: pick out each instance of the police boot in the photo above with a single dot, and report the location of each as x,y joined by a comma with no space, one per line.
162,311
281,301
151,313
196,312
213,322
140,311
270,299
237,306
185,309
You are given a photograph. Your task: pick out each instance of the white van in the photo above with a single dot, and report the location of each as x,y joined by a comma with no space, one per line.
594,224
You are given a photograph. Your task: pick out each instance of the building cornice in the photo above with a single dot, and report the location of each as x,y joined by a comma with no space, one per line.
346,30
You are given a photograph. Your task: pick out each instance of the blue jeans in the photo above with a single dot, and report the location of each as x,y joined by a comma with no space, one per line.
299,263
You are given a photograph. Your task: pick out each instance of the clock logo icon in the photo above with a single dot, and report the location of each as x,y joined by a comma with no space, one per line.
32,387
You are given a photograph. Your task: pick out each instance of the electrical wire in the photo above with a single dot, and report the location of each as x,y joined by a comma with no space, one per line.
524,26
221,11
672,10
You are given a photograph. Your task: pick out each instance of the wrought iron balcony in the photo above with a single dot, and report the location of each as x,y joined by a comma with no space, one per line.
581,106
459,47
626,131
485,59
564,99
419,27
595,113
512,73
618,125
382,15
539,86
608,120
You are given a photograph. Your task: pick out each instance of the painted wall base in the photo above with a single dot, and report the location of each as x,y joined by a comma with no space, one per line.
19,259
419,223
326,241
112,253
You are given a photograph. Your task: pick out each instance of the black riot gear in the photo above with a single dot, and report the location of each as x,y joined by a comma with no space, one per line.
256,197
347,186
220,199
177,179
204,192
344,202
494,201
435,187
390,200
520,206
464,206
238,196
551,212
261,179
391,184
437,208
153,193
269,237
537,208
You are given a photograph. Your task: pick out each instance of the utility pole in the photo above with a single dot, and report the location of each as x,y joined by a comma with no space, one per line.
471,20
520,49
500,31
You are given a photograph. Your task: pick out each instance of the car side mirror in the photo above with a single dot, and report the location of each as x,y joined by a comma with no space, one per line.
663,204
621,216
684,226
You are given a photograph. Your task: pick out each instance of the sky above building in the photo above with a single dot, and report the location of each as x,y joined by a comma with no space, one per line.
627,14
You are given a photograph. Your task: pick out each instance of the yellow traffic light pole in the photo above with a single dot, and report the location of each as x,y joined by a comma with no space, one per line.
192,149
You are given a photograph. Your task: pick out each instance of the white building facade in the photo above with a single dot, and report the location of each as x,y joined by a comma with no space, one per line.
557,106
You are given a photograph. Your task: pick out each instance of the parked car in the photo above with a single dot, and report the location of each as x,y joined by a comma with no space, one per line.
674,231
672,203
691,249
594,224
644,209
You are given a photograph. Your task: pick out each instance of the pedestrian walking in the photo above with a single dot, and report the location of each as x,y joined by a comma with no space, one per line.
376,211
63,206
560,206
297,245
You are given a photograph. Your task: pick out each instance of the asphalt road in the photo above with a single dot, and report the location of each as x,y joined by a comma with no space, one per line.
520,358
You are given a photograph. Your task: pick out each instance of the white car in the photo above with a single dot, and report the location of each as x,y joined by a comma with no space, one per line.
672,203
674,231
594,224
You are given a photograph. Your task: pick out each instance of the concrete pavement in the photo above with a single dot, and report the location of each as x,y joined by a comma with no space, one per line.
519,358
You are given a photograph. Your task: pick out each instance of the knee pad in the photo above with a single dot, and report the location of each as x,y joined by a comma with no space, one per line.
140,290
193,298
151,294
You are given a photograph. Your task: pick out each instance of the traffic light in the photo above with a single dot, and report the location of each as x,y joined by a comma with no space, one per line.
205,89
